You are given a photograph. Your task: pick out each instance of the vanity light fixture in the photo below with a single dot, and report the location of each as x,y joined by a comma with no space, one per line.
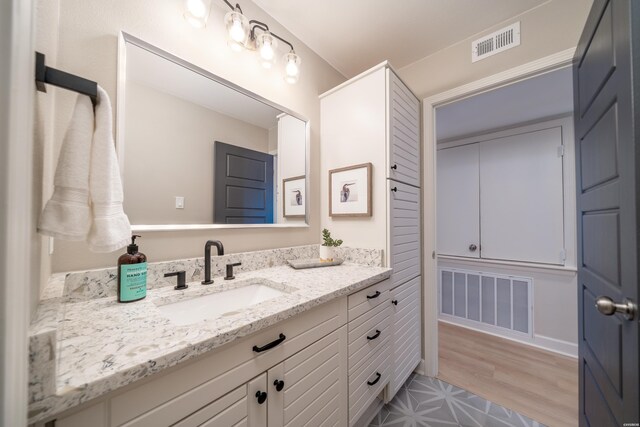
243,33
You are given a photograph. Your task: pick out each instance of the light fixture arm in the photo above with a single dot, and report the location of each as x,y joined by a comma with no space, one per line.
264,27
236,7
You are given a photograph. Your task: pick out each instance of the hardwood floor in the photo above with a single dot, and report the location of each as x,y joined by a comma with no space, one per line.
534,382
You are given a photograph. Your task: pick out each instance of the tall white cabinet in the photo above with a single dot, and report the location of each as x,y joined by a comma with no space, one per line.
375,118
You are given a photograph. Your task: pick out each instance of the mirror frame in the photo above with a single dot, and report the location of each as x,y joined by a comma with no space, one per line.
123,39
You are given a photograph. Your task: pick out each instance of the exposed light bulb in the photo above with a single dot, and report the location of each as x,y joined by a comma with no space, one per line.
236,32
197,8
196,12
292,67
266,51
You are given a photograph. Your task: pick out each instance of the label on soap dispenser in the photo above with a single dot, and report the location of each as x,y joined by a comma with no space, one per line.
133,281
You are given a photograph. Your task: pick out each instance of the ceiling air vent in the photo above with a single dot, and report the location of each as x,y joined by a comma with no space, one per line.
497,42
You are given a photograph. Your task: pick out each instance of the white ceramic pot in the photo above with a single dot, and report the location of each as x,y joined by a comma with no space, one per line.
326,253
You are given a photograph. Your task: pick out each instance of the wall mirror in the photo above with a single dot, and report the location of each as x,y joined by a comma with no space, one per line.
197,151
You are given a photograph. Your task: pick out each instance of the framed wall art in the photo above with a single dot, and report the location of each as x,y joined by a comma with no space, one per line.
294,195
350,191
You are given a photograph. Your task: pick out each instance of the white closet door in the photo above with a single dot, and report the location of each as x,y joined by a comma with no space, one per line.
404,231
521,205
404,132
458,217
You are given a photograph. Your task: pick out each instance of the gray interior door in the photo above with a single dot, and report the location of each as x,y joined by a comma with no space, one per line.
243,185
605,79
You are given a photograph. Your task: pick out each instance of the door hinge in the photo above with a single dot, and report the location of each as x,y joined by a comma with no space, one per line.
561,151
563,255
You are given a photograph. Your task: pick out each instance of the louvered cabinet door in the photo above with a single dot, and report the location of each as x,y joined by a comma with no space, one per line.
406,333
404,231
245,406
404,132
310,388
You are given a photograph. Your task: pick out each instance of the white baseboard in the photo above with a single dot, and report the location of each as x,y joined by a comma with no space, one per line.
554,345
565,348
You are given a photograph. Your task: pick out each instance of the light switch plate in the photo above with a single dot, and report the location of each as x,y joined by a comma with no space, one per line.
179,202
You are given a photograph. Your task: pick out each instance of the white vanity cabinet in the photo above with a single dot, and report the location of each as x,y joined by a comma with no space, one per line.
221,386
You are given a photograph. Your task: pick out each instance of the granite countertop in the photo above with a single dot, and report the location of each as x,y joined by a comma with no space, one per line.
101,345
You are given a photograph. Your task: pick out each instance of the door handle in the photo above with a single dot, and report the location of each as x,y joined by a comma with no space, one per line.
279,384
606,306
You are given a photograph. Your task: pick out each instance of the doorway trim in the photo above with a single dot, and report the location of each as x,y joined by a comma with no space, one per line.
430,307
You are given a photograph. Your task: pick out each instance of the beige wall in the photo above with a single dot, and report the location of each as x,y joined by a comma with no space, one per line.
550,28
168,152
88,47
46,41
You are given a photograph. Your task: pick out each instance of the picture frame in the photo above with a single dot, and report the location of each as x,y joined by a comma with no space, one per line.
350,191
294,197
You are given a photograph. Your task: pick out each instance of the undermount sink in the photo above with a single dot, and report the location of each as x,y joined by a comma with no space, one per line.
218,304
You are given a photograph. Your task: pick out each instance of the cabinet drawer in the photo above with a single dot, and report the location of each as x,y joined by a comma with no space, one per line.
181,391
368,298
378,325
375,370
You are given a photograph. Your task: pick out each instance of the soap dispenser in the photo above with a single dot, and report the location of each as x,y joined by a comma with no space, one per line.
132,274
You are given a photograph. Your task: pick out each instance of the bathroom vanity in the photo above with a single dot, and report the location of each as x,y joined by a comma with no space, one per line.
315,352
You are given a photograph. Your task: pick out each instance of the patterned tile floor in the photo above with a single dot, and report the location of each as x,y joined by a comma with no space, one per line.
426,401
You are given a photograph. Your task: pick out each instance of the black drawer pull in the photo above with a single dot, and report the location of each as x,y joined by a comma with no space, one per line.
262,396
394,302
375,336
279,385
374,382
394,167
376,295
270,345
394,189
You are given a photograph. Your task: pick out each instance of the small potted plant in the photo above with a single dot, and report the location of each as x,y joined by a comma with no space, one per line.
328,243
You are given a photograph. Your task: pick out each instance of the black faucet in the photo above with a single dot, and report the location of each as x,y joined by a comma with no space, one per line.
207,259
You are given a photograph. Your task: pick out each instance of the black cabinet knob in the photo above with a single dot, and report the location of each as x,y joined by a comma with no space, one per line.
261,396
394,189
279,385
394,167
394,302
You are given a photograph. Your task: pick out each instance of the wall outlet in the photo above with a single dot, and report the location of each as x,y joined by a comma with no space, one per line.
179,202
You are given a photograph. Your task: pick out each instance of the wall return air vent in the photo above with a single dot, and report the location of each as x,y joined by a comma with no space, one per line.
497,42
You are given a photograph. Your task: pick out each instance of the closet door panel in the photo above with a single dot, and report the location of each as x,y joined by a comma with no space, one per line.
521,207
404,229
404,132
458,196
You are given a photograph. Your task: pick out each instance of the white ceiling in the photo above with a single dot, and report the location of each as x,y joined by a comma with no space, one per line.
149,69
536,98
354,35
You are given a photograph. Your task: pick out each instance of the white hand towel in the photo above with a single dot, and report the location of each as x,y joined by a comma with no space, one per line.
67,215
110,229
